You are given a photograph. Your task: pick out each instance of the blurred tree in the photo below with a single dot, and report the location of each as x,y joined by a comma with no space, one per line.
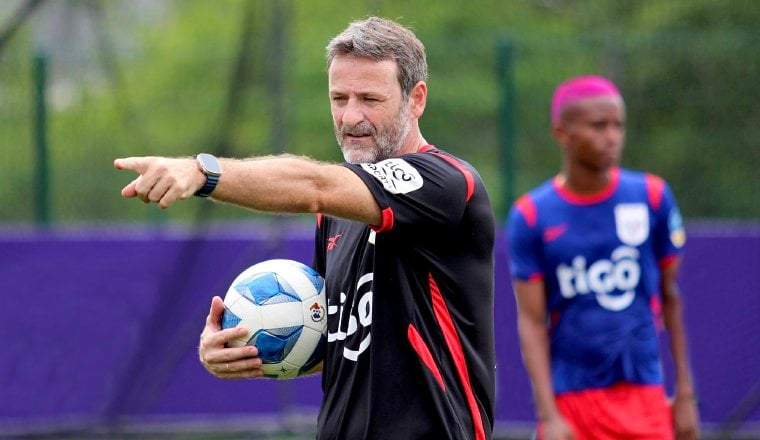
155,77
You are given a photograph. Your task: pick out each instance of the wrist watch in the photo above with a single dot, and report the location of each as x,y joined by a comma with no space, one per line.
211,167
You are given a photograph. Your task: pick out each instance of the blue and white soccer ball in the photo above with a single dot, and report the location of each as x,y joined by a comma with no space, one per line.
282,303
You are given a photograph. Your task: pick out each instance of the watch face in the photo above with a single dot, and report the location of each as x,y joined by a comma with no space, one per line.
209,164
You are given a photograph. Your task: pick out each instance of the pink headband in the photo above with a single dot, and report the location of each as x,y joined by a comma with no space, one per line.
581,87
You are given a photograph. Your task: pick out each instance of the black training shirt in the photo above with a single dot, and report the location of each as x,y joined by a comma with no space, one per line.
410,351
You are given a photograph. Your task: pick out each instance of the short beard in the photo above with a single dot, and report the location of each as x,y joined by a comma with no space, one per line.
387,143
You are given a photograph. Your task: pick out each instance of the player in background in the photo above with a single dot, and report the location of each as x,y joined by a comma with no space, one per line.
404,240
594,259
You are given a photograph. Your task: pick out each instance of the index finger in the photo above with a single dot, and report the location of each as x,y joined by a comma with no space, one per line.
136,164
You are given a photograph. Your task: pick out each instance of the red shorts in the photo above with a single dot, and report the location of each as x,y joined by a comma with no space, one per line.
623,411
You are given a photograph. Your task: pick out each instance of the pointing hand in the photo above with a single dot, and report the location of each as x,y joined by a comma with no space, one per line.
161,180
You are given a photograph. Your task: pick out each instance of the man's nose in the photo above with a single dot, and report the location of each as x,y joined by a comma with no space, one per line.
353,114
614,133
619,135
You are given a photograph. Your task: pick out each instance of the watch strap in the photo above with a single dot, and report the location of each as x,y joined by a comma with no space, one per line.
210,167
208,187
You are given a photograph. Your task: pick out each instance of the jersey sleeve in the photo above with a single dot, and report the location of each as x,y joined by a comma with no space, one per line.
669,234
522,241
421,188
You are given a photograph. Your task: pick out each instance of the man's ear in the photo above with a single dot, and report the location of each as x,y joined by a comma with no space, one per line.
418,99
560,134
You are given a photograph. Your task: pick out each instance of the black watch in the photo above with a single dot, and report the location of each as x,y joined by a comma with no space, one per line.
211,167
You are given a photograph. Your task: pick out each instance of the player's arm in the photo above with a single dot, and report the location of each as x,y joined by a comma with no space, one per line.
685,415
284,184
534,344
230,362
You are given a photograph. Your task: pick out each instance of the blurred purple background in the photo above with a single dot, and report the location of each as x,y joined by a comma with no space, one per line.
99,327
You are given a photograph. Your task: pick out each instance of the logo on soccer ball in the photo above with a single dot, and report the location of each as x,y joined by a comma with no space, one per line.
317,312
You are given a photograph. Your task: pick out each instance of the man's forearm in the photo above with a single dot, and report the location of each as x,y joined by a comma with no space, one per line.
672,313
534,343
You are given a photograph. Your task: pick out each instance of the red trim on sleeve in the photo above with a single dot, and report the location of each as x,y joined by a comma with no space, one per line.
424,353
454,345
655,188
319,219
527,208
467,174
386,224
668,260
538,276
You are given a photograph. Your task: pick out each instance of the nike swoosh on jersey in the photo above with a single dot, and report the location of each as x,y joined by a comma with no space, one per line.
554,232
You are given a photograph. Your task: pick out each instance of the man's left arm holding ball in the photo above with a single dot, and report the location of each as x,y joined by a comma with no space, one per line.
226,363
233,362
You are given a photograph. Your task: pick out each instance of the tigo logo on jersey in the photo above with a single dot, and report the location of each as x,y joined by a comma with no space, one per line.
622,273
353,319
396,175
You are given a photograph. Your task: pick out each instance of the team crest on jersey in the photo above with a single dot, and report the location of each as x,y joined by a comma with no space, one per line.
396,175
632,223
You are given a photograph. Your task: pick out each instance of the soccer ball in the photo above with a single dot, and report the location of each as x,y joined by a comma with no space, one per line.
282,303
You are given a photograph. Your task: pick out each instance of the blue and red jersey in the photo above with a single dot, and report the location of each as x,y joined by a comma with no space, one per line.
600,258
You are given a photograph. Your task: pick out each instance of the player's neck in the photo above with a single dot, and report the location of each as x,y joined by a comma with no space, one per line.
414,143
584,181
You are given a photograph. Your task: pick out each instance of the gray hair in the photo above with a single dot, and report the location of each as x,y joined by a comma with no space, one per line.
380,39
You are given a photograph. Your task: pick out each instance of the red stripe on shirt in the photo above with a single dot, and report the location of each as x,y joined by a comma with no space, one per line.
467,174
655,187
454,345
424,353
527,208
656,307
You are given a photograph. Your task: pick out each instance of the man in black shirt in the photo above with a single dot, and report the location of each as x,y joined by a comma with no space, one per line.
404,240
